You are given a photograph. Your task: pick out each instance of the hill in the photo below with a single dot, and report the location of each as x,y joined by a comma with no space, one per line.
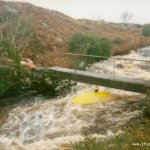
34,29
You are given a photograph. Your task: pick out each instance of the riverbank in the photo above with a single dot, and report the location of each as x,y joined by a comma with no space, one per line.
51,123
54,123
135,137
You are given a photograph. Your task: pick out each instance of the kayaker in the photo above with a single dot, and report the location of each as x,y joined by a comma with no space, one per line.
28,62
96,90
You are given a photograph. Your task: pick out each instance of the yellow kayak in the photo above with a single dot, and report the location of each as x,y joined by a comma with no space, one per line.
91,98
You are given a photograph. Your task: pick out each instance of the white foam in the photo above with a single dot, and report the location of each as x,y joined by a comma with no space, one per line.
56,122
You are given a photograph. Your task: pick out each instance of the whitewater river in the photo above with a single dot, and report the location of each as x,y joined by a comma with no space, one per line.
53,124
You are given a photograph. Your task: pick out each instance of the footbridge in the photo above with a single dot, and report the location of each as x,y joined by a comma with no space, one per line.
101,79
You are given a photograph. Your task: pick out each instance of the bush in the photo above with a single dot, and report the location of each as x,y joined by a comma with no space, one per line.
7,77
90,45
19,32
146,111
16,78
48,83
146,30
10,76
8,49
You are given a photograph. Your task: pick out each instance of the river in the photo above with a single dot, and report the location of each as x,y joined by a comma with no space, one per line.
51,124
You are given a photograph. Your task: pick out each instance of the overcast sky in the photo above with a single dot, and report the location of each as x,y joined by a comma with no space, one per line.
109,10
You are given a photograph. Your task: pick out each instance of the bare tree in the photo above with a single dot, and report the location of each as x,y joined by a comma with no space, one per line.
126,16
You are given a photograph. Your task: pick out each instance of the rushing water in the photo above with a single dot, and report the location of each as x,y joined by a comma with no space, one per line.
54,123
144,51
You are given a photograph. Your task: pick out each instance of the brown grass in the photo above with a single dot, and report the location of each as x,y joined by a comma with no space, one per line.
53,30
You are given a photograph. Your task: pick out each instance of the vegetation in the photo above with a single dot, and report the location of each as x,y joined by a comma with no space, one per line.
14,78
6,17
19,33
136,136
135,139
16,36
9,76
132,141
53,31
146,111
89,45
126,16
18,39
146,30
5,81
118,41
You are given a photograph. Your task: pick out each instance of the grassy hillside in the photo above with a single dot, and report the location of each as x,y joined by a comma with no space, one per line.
50,30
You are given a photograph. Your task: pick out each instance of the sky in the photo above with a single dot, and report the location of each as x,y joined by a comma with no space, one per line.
109,10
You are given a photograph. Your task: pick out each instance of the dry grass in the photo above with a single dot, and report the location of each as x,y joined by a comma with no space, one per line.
53,30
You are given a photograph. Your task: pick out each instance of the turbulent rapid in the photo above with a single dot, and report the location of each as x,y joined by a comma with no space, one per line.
53,124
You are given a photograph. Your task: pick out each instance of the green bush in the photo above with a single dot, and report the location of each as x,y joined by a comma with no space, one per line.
90,45
15,78
146,111
10,76
8,48
146,30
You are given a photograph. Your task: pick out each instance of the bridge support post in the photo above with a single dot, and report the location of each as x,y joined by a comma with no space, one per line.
114,68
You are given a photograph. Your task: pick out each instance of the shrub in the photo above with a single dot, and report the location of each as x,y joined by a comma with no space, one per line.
19,32
7,48
4,86
146,111
9,77
91,45
17,78
146,30
88,45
